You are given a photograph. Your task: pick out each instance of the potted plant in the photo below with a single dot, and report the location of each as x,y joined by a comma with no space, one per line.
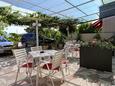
96,55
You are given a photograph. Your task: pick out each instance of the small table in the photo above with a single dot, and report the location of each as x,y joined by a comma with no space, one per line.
39,55
43,53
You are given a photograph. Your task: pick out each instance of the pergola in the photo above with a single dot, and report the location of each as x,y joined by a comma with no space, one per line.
84,10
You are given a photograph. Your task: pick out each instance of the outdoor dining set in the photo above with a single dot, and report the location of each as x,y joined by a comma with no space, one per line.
38,59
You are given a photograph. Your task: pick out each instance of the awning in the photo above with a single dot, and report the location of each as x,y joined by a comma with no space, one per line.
84,10
97,24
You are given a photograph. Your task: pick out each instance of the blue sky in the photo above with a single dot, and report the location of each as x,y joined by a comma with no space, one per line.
55,6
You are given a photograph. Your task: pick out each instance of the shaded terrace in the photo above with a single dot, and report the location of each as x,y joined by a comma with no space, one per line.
82,11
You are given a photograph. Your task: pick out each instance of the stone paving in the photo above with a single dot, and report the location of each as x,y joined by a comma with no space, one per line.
7,61
74,77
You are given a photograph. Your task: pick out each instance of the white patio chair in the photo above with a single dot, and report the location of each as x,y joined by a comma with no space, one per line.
66,60
23,62
54,65
36,48
71,52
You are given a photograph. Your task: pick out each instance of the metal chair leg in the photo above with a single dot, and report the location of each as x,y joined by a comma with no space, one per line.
52,81
37,76
62,73
27,72
67,70
17,74
30,72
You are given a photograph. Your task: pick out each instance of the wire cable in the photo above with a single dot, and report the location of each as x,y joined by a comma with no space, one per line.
75,7
72,7
44,8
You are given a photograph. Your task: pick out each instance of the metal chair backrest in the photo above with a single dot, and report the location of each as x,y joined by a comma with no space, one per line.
66,50
36,48
57,59
20,55
77,45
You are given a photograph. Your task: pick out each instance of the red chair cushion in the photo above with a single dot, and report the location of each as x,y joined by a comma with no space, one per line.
50,66
76,49
30,65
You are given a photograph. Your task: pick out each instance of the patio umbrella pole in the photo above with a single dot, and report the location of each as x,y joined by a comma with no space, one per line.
37,38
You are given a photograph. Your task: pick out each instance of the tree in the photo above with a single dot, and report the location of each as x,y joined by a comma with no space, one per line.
8,16
15,38
68,23
3,19
2,26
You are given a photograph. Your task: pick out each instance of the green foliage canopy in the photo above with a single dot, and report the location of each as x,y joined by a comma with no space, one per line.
87,28
9,16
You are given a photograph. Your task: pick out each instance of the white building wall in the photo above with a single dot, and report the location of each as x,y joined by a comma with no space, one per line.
109,25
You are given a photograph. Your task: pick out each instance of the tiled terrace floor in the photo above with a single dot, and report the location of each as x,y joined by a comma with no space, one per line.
76,77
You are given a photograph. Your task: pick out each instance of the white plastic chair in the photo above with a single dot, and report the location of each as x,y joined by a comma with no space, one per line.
36,48
23,62
54,65
71,52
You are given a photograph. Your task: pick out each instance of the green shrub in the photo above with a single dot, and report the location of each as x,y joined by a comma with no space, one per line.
100,44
